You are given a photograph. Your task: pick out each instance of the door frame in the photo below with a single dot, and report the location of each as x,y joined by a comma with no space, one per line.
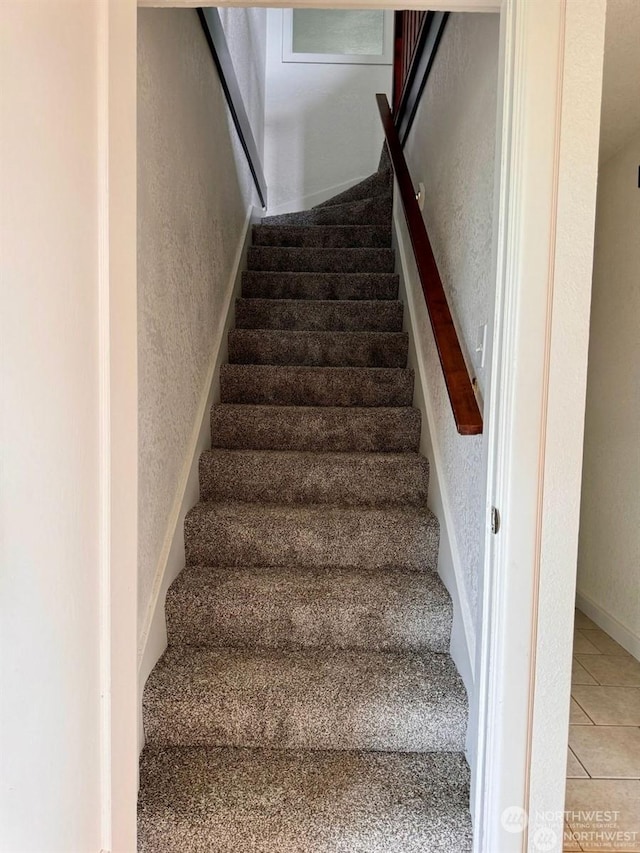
545,199
545,211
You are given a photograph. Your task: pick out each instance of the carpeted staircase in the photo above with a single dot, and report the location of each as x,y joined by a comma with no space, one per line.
306,702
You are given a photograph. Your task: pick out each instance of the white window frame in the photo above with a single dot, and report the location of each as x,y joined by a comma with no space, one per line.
385,58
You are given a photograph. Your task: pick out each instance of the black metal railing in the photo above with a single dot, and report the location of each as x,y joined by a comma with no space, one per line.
217,41
412,65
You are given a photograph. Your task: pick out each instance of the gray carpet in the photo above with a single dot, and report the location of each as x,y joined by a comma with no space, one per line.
318,259
310,315
327,349
300,477
318,285
391,430
307,702
226,800
322,236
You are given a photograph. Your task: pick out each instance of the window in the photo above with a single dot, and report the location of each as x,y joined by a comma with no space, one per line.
338,35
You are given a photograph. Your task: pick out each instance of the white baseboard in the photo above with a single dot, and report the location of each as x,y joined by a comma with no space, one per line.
603,619
307,201
449,562
153,638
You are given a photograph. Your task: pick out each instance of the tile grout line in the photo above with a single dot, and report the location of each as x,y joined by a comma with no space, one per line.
593,722
589,776
597,683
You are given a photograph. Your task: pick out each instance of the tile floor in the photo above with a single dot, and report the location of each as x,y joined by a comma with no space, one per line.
603,762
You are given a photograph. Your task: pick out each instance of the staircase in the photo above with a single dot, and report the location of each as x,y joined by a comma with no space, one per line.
306,702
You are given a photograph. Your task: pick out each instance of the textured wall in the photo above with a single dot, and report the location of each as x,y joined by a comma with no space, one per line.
451,150
322,122
609,552
621,78
194,191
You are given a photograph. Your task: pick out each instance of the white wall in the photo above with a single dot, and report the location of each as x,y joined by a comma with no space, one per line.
451,150
49,510
194,192
323,129
609,552
246,32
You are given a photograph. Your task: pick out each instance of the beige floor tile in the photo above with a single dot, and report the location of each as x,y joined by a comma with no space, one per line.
582,644
617,670
579,674
582,621
577,716
586,798
603,642
607,752
569,844
607,706
575,770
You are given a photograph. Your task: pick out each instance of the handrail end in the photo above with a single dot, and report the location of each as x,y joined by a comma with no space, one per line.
470,428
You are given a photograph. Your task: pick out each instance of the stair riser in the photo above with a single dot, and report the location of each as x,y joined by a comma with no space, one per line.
327,349
291,478
252,801
278,609
196,723
319,316
315,386
284,428
266,699
322,237
278,259
292,285
374,211
217,535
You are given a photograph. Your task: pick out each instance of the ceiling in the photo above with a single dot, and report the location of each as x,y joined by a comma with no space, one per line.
621,83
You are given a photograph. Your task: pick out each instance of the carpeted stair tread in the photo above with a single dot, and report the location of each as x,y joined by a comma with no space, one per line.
239,534
323,236
320,316
266,607
199,800
306,699
323,349
319,285
378,184
375,210
290,477
293,385
283,258
393,430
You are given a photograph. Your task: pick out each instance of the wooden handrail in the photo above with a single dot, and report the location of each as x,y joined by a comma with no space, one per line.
217,41
466,411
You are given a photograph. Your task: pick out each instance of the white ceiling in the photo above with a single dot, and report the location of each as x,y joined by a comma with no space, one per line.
621,83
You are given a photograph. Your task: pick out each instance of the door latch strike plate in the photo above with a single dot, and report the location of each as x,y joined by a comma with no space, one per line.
495,520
